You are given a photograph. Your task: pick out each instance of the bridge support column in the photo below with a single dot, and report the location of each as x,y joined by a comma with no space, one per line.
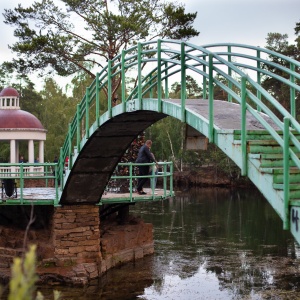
76,239
81,253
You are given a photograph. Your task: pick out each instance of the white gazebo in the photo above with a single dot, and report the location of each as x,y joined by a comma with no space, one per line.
18,125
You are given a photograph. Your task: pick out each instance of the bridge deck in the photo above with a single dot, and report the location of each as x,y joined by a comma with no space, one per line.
125,197
42,195
227,115
46,196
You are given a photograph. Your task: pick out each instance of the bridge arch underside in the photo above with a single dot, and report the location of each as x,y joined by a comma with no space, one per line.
98,158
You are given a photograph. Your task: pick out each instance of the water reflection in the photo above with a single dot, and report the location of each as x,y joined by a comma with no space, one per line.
221,244
209,244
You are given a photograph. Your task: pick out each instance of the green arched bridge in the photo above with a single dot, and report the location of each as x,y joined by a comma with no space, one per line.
252,127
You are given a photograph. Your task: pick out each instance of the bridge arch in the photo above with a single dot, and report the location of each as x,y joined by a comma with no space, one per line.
95,163
245,127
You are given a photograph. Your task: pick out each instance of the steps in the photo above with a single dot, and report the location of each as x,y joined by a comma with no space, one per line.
271,160
265,168
267,155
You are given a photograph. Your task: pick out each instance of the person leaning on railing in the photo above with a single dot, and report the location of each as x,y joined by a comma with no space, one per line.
144,157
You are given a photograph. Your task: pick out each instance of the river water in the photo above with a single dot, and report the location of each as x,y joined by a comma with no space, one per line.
210,243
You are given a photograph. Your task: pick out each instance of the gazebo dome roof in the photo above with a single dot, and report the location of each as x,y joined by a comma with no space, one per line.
18,119
9,92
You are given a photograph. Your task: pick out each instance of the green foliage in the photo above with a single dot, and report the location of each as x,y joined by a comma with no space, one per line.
177,24
4,152
219,93
30,100
23,278
214,156
58,111
279,43
193,89
22,283
167,138
79,84
50,40
192,158
168,134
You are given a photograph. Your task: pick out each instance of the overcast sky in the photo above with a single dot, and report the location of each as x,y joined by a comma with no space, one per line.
236,21
243,21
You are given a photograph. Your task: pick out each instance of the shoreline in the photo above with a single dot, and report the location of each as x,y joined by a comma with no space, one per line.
209,176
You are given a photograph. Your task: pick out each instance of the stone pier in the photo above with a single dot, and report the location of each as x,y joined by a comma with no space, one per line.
76,241
76,234
124,243
83,252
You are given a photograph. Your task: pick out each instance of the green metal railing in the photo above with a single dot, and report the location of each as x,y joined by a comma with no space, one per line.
48,177
164,173
237,69
21,174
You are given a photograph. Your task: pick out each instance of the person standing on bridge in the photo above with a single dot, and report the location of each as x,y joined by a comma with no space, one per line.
144,157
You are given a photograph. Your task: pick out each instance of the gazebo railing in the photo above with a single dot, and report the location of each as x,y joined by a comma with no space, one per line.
7,171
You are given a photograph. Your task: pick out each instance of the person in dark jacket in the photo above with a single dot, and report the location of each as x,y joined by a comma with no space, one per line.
144,156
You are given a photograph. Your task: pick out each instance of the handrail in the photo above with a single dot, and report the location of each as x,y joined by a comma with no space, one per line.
233,66
166,174
21,172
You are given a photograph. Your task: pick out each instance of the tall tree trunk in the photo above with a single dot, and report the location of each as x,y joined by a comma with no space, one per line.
173,155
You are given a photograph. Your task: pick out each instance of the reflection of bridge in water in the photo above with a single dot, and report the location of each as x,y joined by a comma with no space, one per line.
252,128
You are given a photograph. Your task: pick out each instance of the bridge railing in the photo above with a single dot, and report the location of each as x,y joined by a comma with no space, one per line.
257,60
238,70
16,177
227,66
170,61
254,98
222,69
126,173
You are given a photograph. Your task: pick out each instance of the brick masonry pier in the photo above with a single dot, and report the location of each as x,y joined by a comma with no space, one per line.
76,234
83,250
73,246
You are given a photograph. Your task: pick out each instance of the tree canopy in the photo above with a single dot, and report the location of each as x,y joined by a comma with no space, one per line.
279,43
67,36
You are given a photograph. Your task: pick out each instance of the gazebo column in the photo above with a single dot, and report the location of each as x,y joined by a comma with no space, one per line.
41,151
13,151
12,155
17,154
30,151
